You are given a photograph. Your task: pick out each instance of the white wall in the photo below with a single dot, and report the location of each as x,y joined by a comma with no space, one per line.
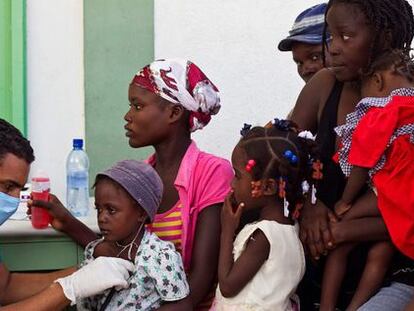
55,85
235,44
233,41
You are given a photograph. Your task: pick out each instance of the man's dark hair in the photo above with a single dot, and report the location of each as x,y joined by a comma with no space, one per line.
12,141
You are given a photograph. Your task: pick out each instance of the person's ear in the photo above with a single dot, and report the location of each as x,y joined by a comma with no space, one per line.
269,186
379,81
176,112
142,214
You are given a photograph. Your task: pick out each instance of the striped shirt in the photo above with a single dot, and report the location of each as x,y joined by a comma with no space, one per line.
168,226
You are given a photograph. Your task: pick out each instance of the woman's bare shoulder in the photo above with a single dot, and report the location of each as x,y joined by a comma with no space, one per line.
312,99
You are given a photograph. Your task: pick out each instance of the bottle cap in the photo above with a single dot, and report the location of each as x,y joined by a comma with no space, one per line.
77,143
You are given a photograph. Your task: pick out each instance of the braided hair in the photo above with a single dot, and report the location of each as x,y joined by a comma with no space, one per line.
390,19
12,141
397,60
268,146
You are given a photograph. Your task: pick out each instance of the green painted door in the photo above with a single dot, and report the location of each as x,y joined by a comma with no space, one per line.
12,62
119,39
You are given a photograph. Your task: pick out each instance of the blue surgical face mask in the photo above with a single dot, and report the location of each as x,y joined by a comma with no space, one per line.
8,205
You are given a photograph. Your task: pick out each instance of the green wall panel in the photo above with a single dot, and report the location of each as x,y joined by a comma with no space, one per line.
119,39
46,253
12,62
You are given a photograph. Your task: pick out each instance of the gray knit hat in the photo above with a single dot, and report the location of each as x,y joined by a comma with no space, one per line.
141,181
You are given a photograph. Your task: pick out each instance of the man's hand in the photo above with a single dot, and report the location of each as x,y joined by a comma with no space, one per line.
101,274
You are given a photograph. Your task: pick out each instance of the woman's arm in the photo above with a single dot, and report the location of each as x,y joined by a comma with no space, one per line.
315,218
360,230
204,260
312,99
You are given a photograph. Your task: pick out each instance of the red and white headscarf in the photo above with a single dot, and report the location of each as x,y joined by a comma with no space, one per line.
181,82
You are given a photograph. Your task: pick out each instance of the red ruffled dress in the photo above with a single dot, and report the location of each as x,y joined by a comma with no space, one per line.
379,135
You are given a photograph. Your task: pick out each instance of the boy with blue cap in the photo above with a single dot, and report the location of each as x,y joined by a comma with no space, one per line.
305,41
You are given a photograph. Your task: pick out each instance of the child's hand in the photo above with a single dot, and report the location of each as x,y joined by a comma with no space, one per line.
55,208
341,208
230,214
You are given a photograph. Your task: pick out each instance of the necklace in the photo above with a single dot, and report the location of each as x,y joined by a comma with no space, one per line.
130,245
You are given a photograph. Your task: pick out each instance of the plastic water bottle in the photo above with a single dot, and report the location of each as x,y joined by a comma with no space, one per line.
40,191
77,180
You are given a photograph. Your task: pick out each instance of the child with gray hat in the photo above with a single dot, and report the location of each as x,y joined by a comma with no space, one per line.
127,197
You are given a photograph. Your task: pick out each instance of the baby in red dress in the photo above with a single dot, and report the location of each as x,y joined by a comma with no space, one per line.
377,148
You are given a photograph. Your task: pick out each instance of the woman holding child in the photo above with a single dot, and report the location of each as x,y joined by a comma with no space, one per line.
169,99
359,32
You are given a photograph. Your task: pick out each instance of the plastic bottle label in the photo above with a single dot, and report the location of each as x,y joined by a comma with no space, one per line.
77,179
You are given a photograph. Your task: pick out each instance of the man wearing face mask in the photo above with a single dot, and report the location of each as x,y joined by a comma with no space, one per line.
44,291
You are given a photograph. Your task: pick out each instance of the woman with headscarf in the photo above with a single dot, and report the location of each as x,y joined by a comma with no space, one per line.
170,99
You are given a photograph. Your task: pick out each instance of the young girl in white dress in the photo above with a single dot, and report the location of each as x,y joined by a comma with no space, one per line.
261,266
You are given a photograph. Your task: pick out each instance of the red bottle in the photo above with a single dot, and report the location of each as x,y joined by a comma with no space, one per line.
40,191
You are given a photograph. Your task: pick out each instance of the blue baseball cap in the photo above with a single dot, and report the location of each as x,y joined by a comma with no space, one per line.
308,28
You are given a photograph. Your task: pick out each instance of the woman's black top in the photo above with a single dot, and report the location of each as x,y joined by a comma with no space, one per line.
333,183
